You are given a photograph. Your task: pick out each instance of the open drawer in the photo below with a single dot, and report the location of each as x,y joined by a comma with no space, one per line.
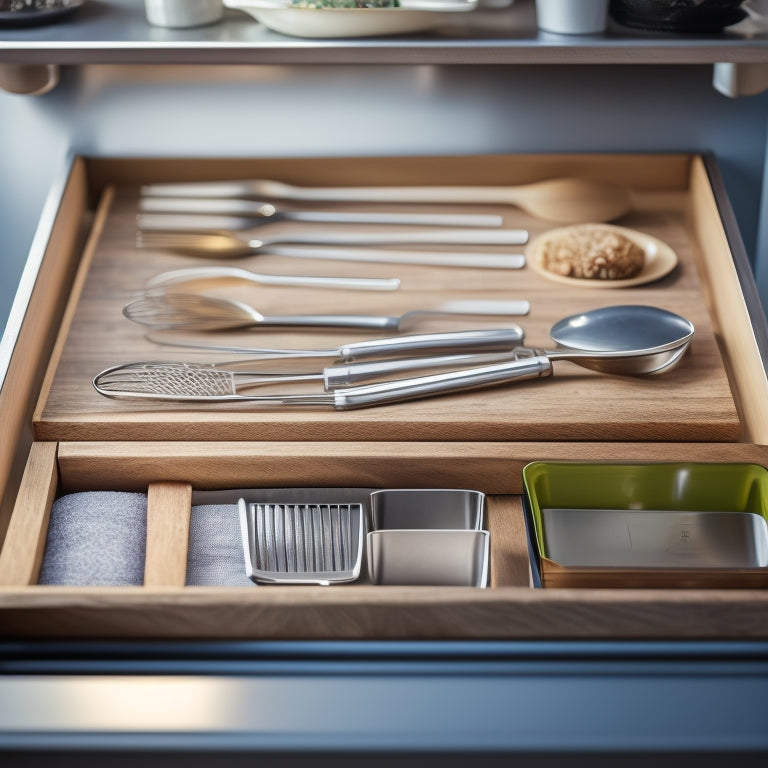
63,437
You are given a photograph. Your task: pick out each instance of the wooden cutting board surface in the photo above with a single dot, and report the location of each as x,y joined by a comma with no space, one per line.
691,403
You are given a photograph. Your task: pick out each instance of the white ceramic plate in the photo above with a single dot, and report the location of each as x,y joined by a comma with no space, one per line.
347,22
660,259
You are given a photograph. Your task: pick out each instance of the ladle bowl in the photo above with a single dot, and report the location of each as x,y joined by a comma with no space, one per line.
630,339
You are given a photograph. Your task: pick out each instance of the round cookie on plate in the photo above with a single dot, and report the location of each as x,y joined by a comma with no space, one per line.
600,256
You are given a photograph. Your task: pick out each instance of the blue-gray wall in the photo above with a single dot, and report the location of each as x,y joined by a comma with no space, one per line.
336,110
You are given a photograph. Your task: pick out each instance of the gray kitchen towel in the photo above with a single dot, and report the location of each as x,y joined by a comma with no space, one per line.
215,555
96,538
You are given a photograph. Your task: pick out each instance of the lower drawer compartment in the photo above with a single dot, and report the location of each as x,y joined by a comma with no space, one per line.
62,437
163,607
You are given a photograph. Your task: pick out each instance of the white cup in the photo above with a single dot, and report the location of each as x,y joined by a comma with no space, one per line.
572,17
183,13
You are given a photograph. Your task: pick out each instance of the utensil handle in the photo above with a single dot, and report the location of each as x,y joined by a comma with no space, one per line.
425,236
191,274
401,219
442,383
354,374
477,260
486,340
478,308
279,190
349,283
180,208
150,221
423,194
187,208
376,322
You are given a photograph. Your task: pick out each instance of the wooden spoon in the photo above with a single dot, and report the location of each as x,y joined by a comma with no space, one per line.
563,200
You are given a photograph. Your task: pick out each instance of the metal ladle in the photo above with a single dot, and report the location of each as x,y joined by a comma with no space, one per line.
629,340
644,340
626,339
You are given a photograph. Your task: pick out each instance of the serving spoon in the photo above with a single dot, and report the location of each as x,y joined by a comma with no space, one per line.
222,245
569,200
626,339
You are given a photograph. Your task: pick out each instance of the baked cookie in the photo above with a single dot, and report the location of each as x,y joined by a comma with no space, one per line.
592,252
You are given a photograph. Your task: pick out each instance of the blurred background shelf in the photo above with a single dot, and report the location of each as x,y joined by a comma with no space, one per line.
117,32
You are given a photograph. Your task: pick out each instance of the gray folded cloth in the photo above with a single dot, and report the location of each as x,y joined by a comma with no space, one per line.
96,538
215,555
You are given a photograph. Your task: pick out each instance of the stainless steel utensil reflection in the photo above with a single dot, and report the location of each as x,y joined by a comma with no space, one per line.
209,213
223,245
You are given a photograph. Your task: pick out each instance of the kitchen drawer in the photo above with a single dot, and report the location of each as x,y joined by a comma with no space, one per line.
62,437
674,201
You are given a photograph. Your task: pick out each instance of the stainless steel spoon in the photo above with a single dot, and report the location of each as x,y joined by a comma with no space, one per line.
244,214
149,222
225,245
621,339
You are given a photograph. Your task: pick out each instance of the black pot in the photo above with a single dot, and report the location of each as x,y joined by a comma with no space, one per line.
704,16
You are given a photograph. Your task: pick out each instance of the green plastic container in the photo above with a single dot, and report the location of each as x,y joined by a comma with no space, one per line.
684,486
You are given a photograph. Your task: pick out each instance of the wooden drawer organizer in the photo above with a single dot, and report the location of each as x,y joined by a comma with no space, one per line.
62,437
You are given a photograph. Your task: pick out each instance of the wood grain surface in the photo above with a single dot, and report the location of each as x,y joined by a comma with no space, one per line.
168,512
24,546
492,467
401,613
691,403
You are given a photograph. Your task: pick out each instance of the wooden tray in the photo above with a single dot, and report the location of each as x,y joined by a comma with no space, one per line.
61,437
693,402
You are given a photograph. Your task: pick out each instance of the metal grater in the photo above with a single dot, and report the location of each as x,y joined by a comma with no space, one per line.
302,543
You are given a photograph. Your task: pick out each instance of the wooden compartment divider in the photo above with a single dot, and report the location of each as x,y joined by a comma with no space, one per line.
494,468
168,513
22,552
